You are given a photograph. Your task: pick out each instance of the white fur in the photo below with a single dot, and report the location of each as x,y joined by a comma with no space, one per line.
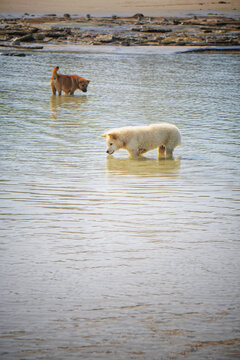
137,140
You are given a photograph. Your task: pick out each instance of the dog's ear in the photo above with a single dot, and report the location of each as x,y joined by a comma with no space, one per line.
113,136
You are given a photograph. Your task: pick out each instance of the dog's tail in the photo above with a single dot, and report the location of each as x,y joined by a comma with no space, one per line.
54,72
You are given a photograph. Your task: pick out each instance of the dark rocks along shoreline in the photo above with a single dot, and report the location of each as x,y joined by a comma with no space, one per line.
34,32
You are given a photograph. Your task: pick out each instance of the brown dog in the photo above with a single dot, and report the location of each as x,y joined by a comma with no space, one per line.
67,83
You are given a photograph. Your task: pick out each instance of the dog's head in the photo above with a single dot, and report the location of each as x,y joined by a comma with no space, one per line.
83,84
113,142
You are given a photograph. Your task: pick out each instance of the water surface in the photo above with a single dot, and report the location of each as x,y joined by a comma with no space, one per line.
110,257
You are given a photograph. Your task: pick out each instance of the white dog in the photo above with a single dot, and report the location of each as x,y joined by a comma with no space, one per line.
137,140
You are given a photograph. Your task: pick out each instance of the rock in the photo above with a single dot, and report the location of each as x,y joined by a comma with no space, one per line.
125,42
14,54
176,22
33,30
105,38
221,23
151,29
138,28
14,32
15,42
145,31
26,38
56,34
168,41
138,16
181,42
39,36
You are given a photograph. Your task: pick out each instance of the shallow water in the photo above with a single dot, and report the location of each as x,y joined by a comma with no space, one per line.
110,257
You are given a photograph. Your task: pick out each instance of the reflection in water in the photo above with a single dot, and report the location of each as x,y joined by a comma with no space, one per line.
67,102
143,166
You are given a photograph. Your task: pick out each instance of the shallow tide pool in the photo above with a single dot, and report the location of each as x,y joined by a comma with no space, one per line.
110,257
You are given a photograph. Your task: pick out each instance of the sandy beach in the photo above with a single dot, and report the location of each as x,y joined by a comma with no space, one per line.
119,7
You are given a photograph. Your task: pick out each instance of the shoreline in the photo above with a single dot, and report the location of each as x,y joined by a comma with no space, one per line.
23,51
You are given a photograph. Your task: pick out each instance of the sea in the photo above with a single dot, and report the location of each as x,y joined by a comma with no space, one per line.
110,257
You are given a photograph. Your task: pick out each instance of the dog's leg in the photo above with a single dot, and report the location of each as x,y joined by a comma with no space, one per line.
53,89
135,153
161,151
169,153
141,151
58,89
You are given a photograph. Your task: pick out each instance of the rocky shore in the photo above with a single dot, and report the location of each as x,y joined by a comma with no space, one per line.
34,32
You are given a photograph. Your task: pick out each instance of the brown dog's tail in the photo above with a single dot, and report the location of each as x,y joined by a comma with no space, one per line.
55,71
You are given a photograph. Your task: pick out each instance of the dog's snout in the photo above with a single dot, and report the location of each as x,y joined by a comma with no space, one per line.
107,151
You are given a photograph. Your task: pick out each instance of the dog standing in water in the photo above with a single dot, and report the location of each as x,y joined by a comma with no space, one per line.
137,140
67,83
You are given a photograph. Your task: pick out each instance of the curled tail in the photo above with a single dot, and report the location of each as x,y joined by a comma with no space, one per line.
55,71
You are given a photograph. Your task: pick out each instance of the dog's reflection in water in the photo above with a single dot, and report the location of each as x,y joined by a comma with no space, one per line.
66,102
143,166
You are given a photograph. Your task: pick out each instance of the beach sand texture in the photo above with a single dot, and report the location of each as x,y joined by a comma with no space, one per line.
118,7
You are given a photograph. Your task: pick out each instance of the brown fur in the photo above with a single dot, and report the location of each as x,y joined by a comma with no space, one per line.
67,83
